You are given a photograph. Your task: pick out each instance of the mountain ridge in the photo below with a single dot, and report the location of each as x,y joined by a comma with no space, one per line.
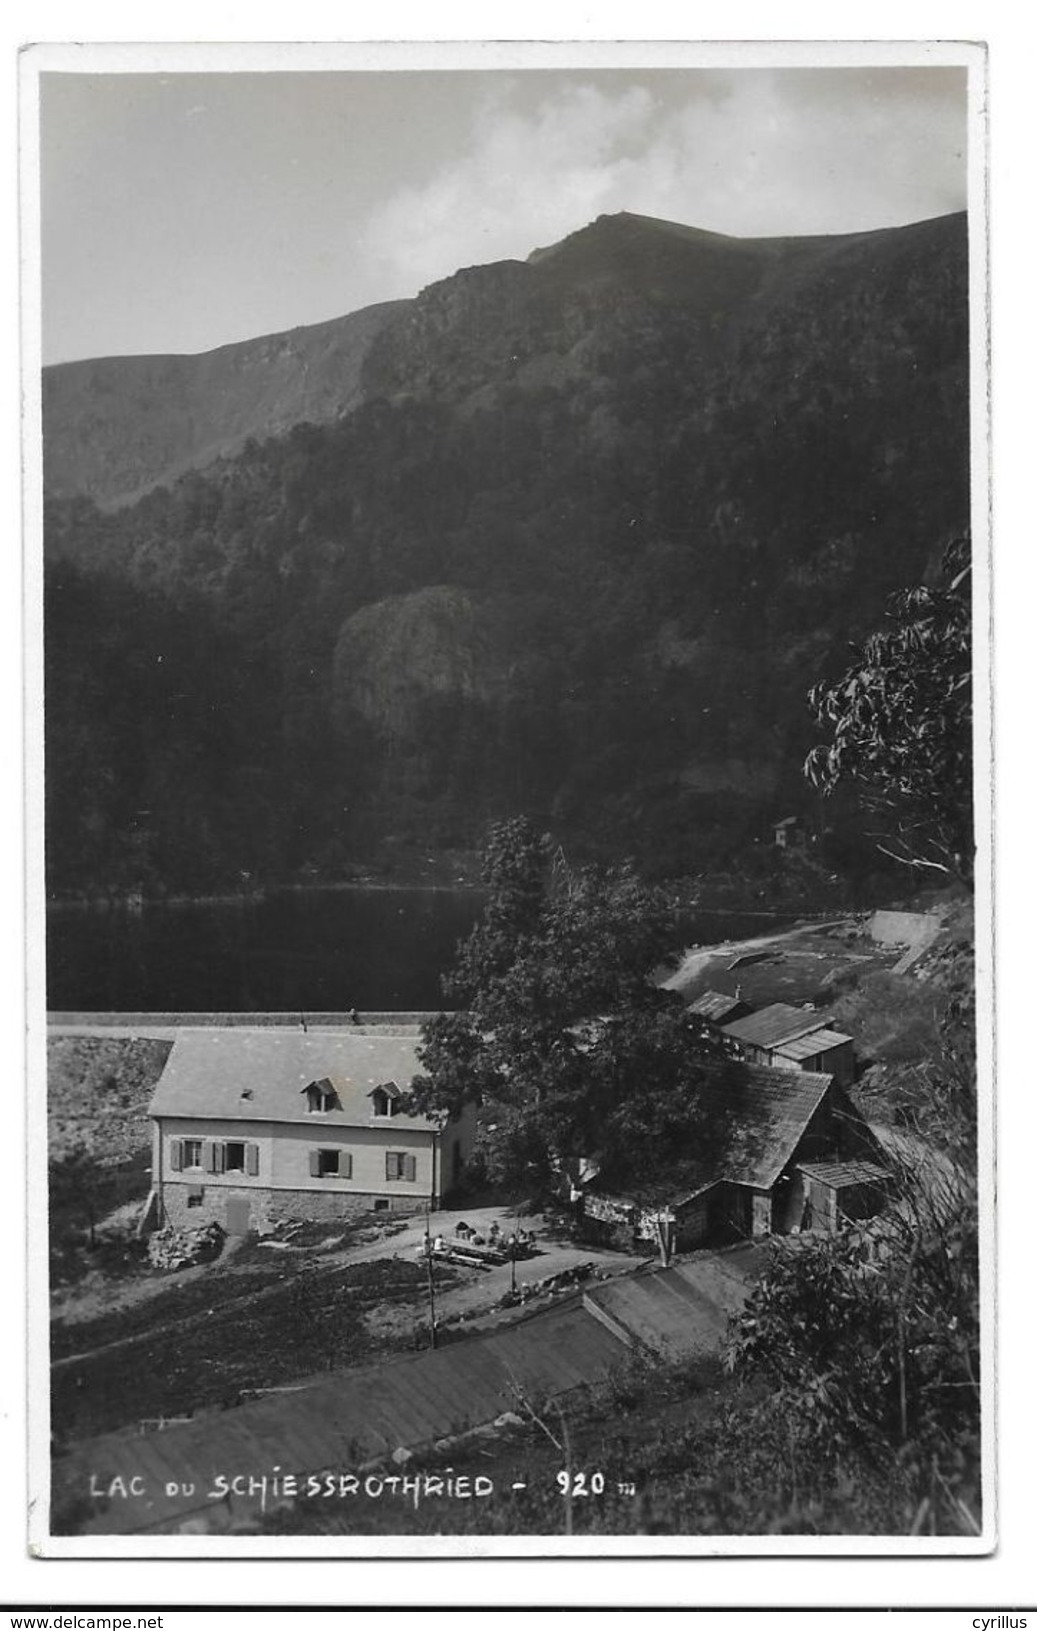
103,436
103,431
585,538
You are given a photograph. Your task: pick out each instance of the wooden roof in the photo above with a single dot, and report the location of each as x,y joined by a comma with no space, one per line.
812,1043
715,1005
843,1174
760,1120
772,1025
754,1116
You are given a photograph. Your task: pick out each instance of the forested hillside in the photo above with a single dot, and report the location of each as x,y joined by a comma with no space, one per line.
592,526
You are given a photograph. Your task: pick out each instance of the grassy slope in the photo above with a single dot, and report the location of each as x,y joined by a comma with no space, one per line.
201,1344
98,1089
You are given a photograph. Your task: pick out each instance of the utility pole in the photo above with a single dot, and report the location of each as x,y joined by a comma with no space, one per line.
431,1282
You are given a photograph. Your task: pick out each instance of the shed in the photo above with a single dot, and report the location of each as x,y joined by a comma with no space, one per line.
790,833
719,1008
824,1050
828,1191
758,1035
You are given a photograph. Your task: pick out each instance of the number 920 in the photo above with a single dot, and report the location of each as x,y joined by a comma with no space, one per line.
580,1483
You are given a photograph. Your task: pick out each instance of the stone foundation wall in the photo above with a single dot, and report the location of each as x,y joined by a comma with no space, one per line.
267,1207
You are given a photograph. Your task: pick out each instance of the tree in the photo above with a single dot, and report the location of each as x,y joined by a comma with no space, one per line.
562,1034
78,1184
900,720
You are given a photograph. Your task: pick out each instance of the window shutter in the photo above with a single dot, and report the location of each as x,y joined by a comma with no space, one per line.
345,1164
390,1165
176,1154
212,1158
220,1157
410,1168
252,1160
315,1163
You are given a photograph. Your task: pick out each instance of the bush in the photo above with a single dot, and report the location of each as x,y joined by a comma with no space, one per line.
869,1342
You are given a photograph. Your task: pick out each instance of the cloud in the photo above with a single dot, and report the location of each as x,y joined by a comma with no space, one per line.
524,179
751,153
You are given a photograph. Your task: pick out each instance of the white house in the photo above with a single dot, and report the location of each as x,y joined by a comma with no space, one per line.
255,1124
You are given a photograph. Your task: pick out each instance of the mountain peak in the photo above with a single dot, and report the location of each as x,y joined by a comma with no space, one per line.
628,225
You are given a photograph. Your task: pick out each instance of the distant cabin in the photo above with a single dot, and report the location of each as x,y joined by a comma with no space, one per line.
255,1125
790,833
788,1151
719,1008
788,1038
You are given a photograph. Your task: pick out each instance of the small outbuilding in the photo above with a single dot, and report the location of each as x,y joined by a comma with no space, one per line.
823,1050
790,833
828,1192
789,1038
719,1007
757,1035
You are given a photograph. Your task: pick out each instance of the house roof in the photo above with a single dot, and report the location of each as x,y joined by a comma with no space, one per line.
715,1005
813,1042
761,1117
841,1174
259,1075
755,1115
773,1025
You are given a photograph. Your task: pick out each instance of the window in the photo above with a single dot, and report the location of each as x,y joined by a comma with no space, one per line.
219,1157
331,1164
192,1156
195,1195
381,1206
402,1166
321,1097
384,1099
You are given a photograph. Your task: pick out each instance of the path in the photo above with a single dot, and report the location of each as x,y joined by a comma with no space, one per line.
475,1296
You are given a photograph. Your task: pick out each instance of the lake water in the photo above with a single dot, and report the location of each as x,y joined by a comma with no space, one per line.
309,950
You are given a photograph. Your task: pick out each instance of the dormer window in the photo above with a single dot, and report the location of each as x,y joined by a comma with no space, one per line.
320,1097
383,1099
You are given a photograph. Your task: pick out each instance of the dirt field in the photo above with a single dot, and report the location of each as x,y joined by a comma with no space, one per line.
798,965
266,1316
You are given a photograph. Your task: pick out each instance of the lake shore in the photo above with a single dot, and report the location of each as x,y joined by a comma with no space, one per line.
253,897
697,959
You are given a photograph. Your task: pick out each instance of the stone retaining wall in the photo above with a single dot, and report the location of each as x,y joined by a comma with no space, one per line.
269,1206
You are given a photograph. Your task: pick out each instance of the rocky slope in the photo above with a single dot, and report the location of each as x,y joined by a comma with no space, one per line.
115,427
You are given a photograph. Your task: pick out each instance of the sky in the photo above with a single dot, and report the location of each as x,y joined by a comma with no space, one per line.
182,211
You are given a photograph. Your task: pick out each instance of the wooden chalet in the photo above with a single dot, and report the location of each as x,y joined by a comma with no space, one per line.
778,1140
